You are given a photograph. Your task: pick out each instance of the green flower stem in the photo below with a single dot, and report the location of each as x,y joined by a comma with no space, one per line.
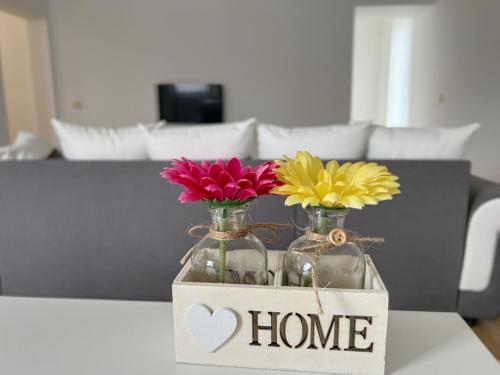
323,222
307,281
222,246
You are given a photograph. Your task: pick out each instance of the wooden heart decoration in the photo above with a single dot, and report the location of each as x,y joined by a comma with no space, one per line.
211,330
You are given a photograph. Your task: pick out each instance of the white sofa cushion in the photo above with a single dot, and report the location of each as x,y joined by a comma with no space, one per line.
96,143
420,143
27,146
200,142
326,142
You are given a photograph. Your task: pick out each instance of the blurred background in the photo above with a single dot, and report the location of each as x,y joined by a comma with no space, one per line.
291,62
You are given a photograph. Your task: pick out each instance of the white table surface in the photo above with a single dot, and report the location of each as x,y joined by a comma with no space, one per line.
46,336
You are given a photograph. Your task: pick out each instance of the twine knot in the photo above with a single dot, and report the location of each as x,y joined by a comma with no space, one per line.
336,237
273,228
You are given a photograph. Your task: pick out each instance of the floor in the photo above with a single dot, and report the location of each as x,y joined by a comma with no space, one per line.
489,333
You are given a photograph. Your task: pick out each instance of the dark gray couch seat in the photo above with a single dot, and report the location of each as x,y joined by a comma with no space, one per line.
116,230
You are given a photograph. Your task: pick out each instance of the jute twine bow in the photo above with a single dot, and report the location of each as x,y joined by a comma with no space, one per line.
335,238
273,228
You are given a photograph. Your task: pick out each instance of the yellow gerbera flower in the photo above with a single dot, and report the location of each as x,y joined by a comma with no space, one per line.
307,181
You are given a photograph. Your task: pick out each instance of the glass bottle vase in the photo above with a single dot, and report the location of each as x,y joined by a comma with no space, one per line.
333,266
234,261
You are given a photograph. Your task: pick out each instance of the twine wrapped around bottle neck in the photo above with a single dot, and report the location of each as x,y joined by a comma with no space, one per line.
273,228
335,238
338,237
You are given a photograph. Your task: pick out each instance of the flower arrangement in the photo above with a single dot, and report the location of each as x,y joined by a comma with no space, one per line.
223,185
219,183
307,181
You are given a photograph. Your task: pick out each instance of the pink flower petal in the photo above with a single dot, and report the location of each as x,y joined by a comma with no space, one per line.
192,185
171,175
252,176
198,172
214,171
246,194
219,180
264,182
212,187
188,180
230,190
259,170
265,187
206,181
269,174
224,178
234,168
191,196
221,164
205,165
180,165
216,192
244,183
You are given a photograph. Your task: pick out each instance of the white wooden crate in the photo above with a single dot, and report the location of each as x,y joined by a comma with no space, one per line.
295,328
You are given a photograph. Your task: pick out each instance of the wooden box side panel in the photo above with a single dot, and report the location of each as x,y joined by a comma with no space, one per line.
283,301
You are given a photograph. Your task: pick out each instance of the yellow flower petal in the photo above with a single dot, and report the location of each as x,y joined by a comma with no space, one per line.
310,201
294,199
331,197
308,182
352,201
332,167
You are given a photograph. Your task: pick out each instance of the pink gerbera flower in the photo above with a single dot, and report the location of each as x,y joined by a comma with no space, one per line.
221,182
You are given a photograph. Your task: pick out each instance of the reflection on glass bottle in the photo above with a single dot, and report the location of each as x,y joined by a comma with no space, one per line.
234,261
332,266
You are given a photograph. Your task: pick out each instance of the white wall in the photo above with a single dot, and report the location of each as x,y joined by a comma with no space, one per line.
460,57
373,37
372,33
284,61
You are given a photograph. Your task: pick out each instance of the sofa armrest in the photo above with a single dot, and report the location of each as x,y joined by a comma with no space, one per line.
482,235
480,277
484,304
482,191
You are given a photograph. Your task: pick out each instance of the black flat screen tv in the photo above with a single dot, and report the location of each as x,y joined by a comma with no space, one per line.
194,103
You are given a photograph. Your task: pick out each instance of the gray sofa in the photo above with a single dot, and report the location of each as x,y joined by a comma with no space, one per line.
116,230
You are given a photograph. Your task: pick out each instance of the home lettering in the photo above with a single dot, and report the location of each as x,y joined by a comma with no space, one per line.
312,328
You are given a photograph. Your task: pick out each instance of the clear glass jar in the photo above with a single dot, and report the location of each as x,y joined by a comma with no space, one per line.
336,266
233,261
